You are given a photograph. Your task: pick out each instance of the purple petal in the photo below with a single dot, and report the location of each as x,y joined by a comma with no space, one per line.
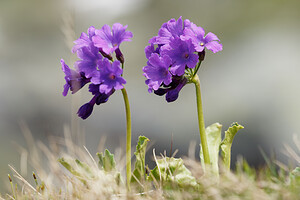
178,69
105,88
199,31
66,89
210,37
176,28
214,46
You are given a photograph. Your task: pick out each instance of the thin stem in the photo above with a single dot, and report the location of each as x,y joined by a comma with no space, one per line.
203,139
197,68
128,138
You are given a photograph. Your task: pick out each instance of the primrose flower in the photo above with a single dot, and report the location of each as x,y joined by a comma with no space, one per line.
171,29
74,80
109,76
86,110
89,59
182,54
210,41
157,71
85,40
110,39
174,56
96,66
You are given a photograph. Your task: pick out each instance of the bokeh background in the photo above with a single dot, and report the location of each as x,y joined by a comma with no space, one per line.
254,80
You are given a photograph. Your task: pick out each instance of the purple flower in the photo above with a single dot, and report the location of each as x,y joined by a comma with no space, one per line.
89,59
182,55
110,39
169,30
157,71
173,94
85,40
174,54
100,97
109,76
96,66
74,80
86,110
149,50
210,41
172,90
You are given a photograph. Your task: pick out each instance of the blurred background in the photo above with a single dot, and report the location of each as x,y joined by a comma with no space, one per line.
254,80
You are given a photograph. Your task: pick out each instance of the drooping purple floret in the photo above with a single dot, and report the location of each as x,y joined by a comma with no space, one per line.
74,80
100,97
109,76
182,55
157,71
172,90
110,39
85,40
210,41
173,94
86,110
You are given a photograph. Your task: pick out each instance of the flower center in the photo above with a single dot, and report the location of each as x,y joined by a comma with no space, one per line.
186,55
202,44
115,44
112,76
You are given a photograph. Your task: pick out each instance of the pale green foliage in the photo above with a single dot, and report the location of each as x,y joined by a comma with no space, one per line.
139,166
77,170
213,135
227,142
171,173
107,161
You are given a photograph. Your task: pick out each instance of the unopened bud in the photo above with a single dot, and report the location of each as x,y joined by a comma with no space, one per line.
119,55
201,55
105,54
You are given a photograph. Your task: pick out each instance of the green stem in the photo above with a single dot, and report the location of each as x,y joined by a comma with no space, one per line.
128,137
203,139
197,68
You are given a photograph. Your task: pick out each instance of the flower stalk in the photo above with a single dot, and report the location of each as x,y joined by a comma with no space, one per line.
128,137
201,123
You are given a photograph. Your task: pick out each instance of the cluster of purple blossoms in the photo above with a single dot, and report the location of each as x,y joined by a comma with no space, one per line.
96,65
174,56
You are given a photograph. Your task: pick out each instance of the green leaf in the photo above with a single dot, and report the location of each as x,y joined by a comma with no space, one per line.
213,135
71,169
139,166
295,175
107,161
172,173
227,142
85,169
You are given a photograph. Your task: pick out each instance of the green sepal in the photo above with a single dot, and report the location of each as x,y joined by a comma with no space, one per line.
213,135
226,144
172,173
107,161
139,166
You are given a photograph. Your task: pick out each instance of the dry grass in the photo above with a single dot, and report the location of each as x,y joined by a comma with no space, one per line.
55,182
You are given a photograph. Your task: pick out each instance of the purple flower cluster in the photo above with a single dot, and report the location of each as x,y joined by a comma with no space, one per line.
96,66
174,54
